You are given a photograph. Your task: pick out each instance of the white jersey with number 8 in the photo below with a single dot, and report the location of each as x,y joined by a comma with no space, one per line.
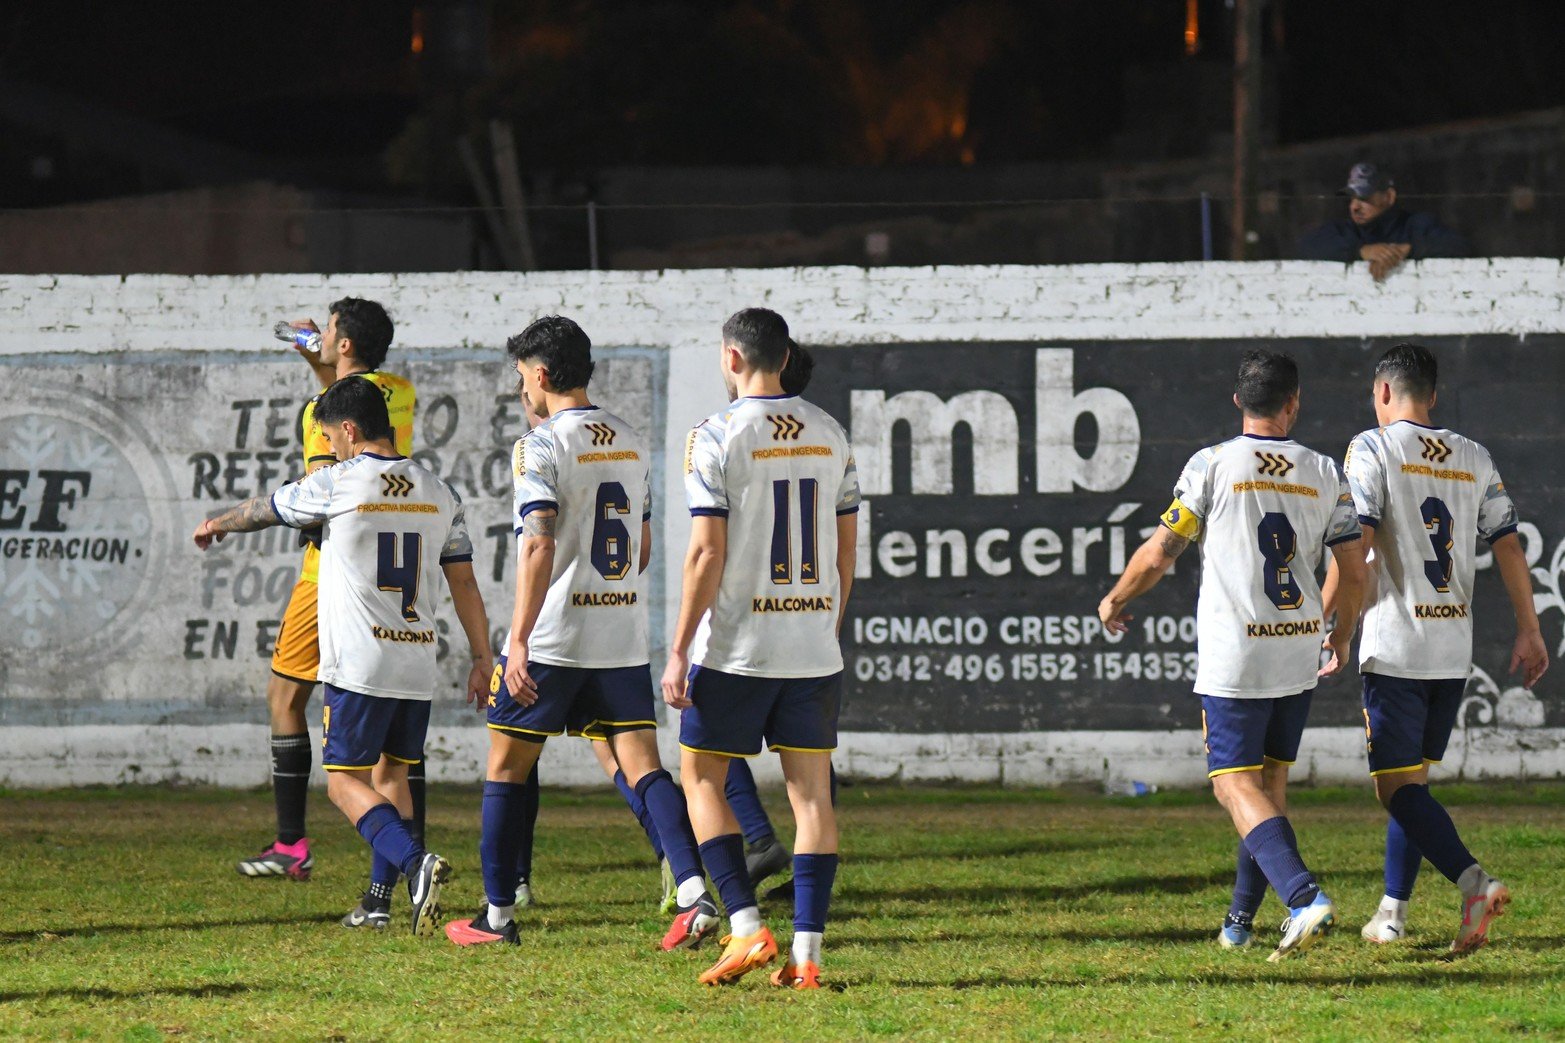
781,471
1263,510
1429,493
591,468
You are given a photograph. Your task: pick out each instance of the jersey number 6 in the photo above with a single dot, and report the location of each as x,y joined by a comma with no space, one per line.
610,537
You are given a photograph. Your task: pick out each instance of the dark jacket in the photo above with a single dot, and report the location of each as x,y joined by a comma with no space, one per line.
1342,240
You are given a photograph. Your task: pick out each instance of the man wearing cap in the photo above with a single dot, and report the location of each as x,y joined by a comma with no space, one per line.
1379,231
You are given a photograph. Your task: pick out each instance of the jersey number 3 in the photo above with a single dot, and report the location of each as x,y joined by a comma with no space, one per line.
401,576
1278,543
1437,519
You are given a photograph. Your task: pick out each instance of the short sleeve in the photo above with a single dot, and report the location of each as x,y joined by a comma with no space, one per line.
646,499
1497,513
1366,473
458,545
848,497
536,480
307,503
705,488
1192,497
1344,525
317,447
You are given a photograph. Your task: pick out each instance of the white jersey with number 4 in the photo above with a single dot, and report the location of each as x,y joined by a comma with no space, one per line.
1263,509
1430,494
389,525
781,471
591,468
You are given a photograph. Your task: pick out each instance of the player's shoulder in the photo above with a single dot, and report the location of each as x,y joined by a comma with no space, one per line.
617,429
1203,458
421,474
813,413
388,382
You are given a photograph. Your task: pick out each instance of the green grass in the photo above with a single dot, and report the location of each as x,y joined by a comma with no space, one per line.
960,912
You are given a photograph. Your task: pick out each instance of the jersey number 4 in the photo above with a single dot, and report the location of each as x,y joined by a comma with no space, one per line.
401,575
782,531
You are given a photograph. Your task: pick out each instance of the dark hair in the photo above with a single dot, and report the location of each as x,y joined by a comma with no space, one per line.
1266,381
761,336
367,325
795,376
560,346
1410,369
359,400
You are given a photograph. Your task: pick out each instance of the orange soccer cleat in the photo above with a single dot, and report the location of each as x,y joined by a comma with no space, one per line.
805,975
740,957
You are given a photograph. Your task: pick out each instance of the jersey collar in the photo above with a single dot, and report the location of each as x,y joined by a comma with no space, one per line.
1415,423
767,398
1267,438
377,456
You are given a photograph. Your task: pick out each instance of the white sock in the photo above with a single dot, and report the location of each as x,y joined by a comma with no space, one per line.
745,922
1395,908
690,890
500,915
1472,879
806,948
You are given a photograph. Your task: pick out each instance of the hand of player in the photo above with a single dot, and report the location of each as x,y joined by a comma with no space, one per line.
1114,621
478,683
523,689
205,535
1529,657
676,678
1340,646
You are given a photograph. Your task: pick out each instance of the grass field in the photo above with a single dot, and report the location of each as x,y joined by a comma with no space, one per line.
960,912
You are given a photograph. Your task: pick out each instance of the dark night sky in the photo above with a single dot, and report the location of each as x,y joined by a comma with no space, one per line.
595,82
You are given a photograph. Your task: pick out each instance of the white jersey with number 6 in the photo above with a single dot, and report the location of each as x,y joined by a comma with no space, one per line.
591,468
1429,493
1263,509
781,471
389,524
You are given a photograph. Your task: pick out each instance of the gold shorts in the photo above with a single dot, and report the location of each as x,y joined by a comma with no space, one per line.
297,655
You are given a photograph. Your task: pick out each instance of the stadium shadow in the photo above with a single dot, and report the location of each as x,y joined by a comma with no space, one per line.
1171,936
999,847
93,993
1438,974
181,925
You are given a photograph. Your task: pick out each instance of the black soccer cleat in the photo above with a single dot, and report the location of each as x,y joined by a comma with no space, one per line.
376,917
766,859
424,893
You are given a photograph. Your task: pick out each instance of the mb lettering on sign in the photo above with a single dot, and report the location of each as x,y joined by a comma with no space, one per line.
997,446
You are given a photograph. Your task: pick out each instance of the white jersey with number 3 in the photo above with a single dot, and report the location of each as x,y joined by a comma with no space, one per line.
781,471
591,468
1430,494
1263,510
389,525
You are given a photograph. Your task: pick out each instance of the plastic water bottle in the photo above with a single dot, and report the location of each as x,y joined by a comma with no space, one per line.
309,340
1129,788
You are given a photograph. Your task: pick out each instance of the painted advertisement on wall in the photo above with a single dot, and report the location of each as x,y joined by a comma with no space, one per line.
1007,485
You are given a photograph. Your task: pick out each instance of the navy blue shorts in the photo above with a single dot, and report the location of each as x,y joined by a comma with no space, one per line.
1408,722
733,715
1242,734
582,701
359,728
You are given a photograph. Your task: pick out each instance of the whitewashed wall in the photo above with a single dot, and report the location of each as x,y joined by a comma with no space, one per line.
217,322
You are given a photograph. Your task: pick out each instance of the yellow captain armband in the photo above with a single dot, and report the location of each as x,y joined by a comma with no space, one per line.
1181,521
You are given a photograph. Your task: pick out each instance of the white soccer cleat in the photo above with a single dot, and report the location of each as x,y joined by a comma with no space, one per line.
1384,927
1487,899
1305,927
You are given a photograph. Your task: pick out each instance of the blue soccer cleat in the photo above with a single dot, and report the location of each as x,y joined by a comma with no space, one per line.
1236,933
1305,926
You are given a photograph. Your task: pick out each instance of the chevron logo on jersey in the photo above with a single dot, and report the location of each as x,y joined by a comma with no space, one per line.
1434,449
1274,463
602,434
785,427
395,485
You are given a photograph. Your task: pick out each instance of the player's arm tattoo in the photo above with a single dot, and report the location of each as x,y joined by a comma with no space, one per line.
1173,544
251,515
540,524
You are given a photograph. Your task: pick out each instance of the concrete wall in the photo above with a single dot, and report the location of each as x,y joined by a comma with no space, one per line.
168,391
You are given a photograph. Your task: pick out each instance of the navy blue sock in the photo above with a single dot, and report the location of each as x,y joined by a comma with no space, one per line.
383,871
739,788
527,826
504,817
724,860
813,876
639,809
416,788
1431,830
1249,887
666,804
1276,851
1402,861
383,828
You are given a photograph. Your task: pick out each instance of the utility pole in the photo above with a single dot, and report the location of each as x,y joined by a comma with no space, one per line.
1247,111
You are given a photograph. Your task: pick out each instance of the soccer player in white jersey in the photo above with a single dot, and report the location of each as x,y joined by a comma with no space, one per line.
1425,495
1262,506
576,657
774,498
390,529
